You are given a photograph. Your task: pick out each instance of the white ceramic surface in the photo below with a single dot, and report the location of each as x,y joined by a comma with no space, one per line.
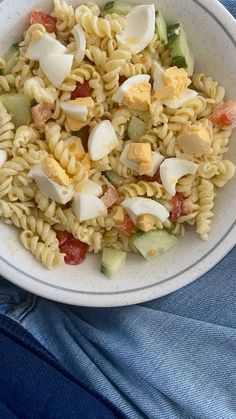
212,35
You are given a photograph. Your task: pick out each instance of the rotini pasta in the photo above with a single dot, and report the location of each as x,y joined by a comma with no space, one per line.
93,154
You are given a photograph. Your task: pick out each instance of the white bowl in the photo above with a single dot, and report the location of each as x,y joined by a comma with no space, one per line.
212,35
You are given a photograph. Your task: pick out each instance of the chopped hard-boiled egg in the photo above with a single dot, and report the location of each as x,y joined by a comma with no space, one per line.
135,92
53,190
194,139
90,187
88,206
56,67
3,157
146,222
75,125
184,98
175,82
54,171
80,43
138,206
171,170
139,28
102,140
140,152
78,109
43,46
142,168
157,75
75,147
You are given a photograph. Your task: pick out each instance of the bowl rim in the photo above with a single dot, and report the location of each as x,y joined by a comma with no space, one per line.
132,296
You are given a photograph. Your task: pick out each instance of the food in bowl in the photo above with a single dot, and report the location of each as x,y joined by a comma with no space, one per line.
110,142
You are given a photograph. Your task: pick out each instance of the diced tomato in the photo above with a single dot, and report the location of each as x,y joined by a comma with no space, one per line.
62,236
110,196
81,90
177,206
41,113
75,251
225,115
155,178
127,226
48,21
122,79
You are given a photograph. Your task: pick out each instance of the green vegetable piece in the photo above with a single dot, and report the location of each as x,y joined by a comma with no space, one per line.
179,48
153,243
112,261
161,28
18,106
136,128
10,57
119,7
115,179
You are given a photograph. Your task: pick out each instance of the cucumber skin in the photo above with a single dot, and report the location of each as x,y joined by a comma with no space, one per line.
10,57
121,8
179,49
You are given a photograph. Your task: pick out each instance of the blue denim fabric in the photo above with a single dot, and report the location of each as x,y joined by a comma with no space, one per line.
172,358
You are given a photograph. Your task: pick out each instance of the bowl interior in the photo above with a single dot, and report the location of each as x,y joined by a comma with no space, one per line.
213,45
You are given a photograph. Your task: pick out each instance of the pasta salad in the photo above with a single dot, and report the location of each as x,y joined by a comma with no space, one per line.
110,141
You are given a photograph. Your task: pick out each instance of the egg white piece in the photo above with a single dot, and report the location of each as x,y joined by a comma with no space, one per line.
157,159
137,206
59,193
102,140
75,111
80,43
173,169
157,75
131,81
44,46
184,98
91,187
56,67
139,29
88,206
3,157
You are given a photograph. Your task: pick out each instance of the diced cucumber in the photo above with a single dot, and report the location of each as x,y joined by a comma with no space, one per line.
179,48
153,243
112,261
161,28
18,106
113,177
119,7
10,57
136,128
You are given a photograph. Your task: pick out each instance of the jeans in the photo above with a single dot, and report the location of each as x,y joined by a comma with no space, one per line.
172,358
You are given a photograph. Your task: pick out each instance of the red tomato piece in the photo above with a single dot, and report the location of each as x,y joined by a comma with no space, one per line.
177,206
48,21
110,196
62,236
122,79
41,113
127,226
225,115
81,90
75,251
155,178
